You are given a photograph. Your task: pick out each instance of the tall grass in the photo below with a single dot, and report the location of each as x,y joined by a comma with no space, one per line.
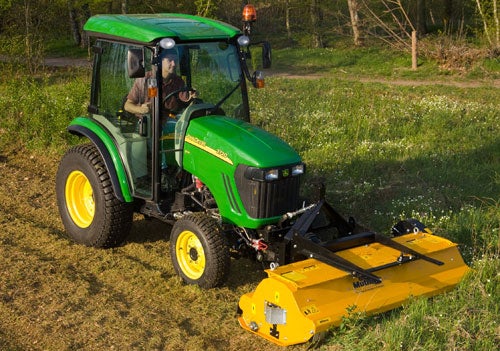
37,110
384,149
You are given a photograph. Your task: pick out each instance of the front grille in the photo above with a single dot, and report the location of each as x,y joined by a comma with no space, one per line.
264,199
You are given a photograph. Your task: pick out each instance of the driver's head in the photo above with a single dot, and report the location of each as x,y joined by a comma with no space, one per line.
169,60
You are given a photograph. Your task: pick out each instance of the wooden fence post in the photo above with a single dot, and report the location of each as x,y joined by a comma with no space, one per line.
414,51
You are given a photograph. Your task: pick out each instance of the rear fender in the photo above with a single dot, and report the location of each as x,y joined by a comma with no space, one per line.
97,135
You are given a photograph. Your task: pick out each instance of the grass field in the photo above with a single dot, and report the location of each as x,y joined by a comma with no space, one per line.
389,144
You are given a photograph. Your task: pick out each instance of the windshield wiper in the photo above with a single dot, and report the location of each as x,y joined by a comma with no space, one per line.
218,105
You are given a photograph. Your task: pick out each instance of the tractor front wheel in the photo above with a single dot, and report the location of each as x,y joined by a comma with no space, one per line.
198,251
90,212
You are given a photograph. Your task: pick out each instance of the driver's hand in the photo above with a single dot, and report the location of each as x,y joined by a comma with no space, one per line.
143,109
193,94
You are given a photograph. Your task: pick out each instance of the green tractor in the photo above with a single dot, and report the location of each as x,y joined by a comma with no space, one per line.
187,155
204,169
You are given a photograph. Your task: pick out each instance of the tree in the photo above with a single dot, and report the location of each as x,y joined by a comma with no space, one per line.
74,23
488,10
317,40
287,20
392,24
420,17
355,23
23,30
79,13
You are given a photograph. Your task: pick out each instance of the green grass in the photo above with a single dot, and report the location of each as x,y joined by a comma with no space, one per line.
38,109
373,62
385,151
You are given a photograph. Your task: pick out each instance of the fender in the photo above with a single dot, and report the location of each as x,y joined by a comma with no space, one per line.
83,126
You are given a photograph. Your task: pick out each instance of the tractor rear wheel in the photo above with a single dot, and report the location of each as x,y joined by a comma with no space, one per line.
198,251
90,212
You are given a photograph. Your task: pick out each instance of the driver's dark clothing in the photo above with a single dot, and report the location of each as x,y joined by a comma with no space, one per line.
139,93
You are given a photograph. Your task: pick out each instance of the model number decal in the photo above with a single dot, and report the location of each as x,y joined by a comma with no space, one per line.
203,146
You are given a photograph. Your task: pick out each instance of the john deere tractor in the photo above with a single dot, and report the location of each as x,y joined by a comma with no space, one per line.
225,185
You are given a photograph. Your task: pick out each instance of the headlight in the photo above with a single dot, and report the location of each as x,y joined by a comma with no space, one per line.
167,43
298,170
272,174
244,41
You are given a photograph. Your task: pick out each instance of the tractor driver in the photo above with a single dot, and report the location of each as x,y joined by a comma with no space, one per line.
138,101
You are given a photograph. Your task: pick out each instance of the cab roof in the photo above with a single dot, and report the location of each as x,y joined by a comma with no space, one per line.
147,28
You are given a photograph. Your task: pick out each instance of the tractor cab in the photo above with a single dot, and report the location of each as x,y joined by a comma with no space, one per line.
151,143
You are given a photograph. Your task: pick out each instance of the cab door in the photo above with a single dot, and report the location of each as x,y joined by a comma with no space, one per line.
132,133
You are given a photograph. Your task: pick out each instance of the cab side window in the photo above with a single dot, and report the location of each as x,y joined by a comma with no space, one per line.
113,85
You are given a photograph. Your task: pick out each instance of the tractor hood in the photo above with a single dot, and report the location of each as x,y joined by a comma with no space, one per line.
231,157
237,142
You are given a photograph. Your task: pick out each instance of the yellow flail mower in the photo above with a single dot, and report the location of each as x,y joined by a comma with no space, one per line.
359,271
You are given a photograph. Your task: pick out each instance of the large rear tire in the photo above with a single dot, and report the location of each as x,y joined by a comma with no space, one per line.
90,212
198,251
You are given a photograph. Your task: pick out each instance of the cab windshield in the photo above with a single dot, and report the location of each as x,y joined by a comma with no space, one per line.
120,100
213,70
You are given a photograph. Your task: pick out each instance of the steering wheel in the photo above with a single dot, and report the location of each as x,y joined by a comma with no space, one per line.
173,93
177,91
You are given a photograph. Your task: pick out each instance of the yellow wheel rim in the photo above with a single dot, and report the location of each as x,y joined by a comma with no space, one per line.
190,255
80,199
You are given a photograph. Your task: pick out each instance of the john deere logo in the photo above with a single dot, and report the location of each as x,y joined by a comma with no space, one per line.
286,173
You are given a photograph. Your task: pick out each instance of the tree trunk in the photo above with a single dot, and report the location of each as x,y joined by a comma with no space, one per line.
317,41
27,31
85,43
493,38
448,12
287,20
355,25
73,22
497,25
33,37
421,17
124,7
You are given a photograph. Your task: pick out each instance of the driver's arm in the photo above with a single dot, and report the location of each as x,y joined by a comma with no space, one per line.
136,109
136,102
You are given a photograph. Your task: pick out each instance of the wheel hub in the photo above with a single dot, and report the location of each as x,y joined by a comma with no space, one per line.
190,254
193,254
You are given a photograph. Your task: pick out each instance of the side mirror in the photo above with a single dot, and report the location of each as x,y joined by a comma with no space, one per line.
266,55
135,63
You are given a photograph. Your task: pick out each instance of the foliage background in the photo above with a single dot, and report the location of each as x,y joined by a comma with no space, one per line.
455,32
